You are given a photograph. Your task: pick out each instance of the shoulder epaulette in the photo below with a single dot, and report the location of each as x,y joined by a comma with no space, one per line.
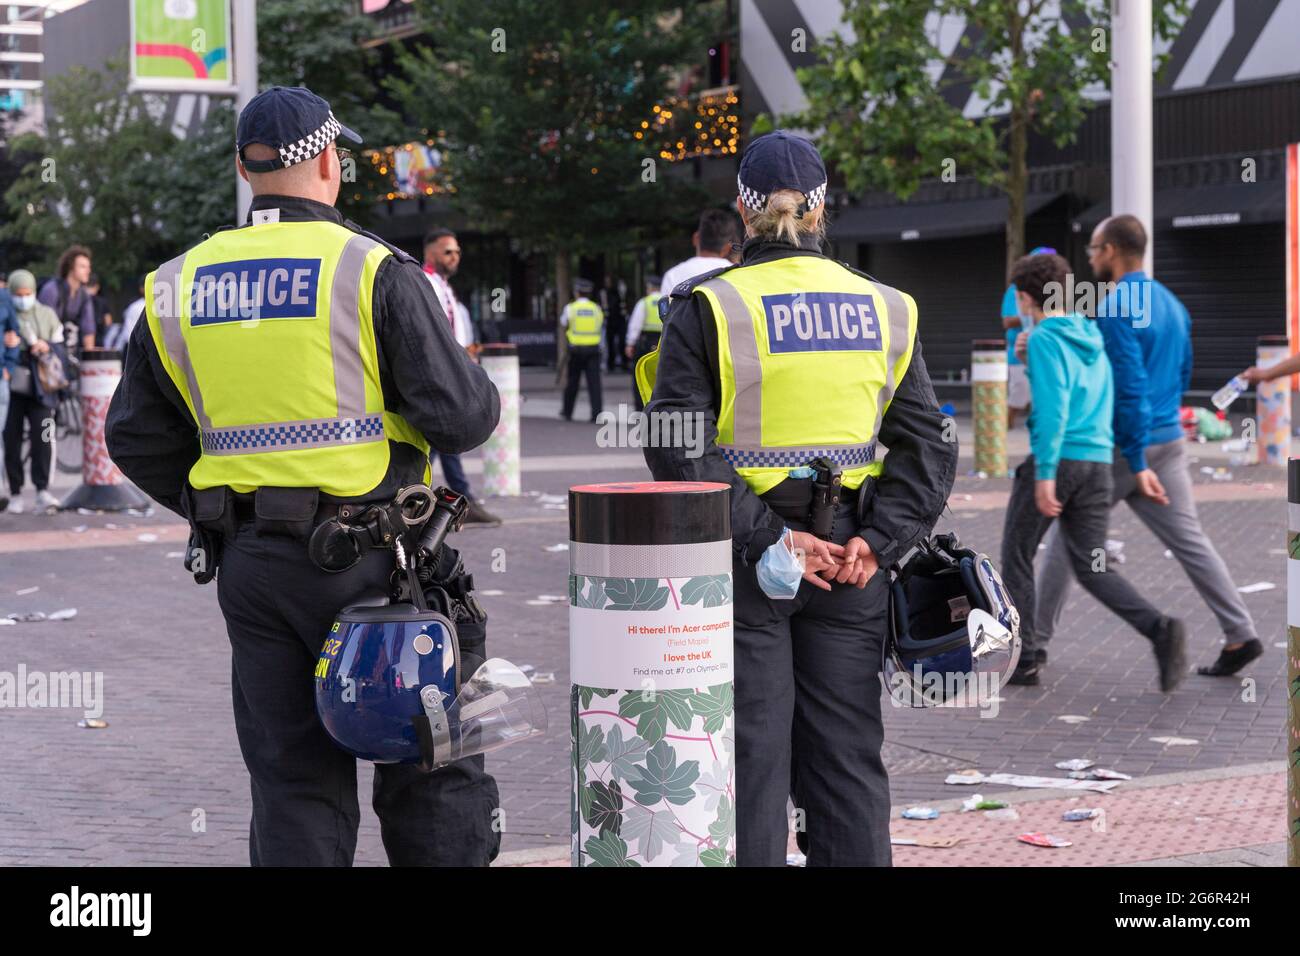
684,289
400,254
859,272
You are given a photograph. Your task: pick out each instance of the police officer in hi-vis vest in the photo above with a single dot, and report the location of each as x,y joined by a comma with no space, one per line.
291,371
802,369
643,331
583,322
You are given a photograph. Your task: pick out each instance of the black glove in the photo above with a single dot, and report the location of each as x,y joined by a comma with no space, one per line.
203,554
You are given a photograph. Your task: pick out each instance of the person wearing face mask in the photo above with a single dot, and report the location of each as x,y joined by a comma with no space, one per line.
38,332
8,356
798,367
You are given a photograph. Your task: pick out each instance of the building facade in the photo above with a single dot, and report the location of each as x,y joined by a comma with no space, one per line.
1227,103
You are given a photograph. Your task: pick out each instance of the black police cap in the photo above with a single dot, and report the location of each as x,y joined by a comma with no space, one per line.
291,120
781,160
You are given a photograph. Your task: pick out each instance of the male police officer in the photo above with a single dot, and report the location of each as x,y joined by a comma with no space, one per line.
288,370
799,365
583,323
643,330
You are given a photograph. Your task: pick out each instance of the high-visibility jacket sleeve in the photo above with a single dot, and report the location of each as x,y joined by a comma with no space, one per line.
687,383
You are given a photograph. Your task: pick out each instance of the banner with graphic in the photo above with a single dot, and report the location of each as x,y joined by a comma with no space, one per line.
181,46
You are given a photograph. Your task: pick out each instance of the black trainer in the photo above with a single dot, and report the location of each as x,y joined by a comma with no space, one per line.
1170,645
1230,662
1025,674
1040,655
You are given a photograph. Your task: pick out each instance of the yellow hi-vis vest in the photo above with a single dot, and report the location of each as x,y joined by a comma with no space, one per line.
584,322
268,334
810,355
653,323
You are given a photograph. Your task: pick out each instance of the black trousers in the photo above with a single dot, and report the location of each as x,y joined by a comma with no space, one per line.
26,410
278,608
583,359
1084,490
615,336
808,723
646,343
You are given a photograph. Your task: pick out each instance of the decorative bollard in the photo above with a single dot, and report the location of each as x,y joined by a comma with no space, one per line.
650,659
501,450
1273,404
103,486
988,375
1293,659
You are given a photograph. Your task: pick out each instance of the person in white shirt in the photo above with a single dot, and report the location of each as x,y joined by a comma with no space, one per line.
714,241
119,333
441,260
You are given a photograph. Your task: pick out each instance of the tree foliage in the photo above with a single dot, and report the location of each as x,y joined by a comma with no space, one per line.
886,123
109,173
96,176
537,107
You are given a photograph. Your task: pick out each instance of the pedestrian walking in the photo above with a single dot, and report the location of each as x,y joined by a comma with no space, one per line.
1148,338
70,297
31,402
442,258
1068,472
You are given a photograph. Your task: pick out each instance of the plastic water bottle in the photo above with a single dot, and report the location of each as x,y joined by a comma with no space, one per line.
1229,393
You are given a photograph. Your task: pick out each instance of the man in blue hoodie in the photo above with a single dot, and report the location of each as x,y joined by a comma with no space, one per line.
1068,473
1149,343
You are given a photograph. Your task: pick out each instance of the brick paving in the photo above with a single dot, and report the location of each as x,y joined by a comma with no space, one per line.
164,782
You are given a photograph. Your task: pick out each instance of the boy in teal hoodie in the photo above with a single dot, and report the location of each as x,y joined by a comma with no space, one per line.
1068,473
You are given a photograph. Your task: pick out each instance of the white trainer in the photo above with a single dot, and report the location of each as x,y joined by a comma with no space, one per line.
15,506
46,501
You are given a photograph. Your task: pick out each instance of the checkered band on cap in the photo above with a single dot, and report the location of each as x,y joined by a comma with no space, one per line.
757,201
311,144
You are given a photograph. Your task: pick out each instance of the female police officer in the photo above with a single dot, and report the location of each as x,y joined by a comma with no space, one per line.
801,367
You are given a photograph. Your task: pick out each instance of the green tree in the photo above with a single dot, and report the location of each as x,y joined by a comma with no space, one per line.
93,177
14,254
885,123
108,172
538,107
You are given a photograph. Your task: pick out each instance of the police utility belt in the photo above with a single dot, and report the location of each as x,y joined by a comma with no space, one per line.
335,533
814,501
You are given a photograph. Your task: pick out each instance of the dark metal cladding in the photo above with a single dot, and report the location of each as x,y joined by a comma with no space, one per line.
1293,482
650,512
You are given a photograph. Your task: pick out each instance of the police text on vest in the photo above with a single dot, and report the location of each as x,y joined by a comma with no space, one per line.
821,322
253,289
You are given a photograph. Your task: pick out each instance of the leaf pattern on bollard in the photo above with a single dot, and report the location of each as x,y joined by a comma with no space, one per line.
653,770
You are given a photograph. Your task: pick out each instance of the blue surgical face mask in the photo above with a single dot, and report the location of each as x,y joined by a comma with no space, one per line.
24,303
779,571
